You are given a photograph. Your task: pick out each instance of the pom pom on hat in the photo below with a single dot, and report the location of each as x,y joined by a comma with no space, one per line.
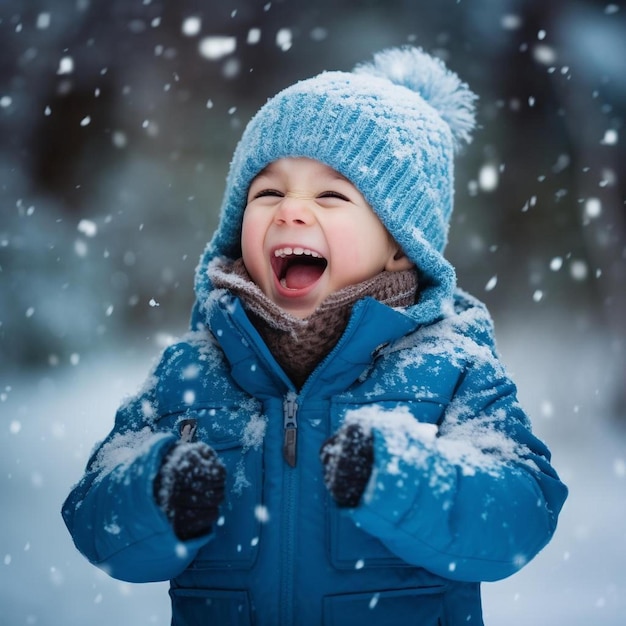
391,127
431,79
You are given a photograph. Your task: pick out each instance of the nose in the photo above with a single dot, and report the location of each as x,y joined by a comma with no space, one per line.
293,211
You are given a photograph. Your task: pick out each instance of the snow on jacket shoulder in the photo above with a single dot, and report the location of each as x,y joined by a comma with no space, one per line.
461,485
461,490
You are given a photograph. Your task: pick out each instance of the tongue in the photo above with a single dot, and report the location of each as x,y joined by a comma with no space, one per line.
300,276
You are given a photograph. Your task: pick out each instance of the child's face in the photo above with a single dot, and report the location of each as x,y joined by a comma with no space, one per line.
308,232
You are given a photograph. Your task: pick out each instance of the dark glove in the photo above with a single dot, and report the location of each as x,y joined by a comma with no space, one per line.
348,458
190,487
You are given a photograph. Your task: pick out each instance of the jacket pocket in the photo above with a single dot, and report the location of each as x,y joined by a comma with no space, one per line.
420,606
236,532
348,544
196,607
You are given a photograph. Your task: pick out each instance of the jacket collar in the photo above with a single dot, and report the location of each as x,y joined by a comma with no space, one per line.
372,325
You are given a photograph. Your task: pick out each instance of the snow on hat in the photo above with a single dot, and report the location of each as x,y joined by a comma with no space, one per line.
391,127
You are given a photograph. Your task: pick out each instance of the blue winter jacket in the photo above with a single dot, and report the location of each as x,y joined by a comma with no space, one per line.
461,490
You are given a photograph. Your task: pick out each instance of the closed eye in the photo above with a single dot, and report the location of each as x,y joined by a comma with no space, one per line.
333,194
268,193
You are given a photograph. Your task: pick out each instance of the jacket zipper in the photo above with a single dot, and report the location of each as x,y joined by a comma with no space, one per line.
290,483
290,428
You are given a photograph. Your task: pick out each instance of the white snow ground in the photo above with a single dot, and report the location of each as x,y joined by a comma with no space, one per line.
50,421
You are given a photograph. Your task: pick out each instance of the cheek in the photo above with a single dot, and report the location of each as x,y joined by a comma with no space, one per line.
360,241
251,244
251,231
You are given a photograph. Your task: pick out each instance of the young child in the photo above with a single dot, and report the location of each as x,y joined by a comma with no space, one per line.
335,440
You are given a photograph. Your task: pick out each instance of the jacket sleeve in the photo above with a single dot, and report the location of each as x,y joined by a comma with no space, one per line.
111,513
473,500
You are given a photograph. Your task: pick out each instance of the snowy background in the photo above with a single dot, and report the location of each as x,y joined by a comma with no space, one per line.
117,122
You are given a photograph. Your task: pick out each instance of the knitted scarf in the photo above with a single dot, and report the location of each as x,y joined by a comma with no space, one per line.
300,344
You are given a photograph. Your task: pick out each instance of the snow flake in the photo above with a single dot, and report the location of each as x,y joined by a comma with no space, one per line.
217,47
191,26
491,283
191,372
87,227
319,34
254,36
119,139
547,409
80,248
488,177
261,513
593,208
56,576
6,101
578,269
43,21
511,21
254,432
544,54
231,68
284,39
610,137
556,263
66,65
147,410
520,560
531,203
113,528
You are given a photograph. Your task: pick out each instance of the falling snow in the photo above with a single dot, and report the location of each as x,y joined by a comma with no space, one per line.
80,274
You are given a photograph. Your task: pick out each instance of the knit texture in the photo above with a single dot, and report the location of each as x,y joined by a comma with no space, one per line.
392,128
300,344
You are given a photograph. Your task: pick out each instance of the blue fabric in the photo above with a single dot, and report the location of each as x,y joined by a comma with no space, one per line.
391,127
437,518
461,490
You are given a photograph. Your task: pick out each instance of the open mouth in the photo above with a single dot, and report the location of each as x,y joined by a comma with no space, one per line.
298,268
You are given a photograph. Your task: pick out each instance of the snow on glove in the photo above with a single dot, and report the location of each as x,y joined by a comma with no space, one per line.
348,458
190,487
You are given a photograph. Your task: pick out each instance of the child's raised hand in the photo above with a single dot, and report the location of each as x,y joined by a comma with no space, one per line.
348,457
190,487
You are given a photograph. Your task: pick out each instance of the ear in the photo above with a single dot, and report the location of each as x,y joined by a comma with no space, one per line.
398,261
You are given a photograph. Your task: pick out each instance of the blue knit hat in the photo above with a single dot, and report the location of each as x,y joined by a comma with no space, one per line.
392,128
